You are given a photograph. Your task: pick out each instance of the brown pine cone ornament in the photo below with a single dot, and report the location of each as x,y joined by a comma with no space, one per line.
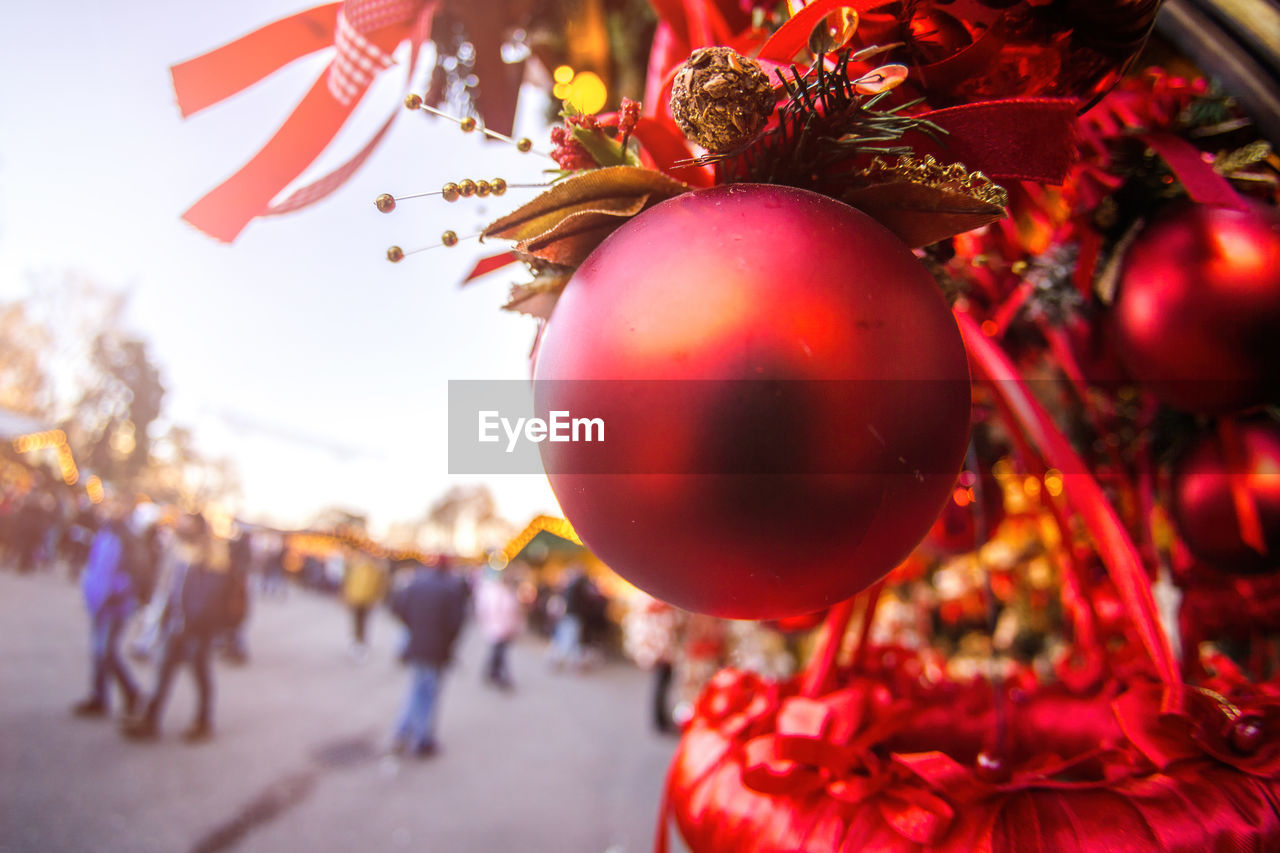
721,99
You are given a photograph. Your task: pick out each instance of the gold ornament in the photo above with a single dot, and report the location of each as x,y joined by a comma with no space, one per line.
927,171
721,99
385,202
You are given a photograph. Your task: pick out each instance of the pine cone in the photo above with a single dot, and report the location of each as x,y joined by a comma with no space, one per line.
721,99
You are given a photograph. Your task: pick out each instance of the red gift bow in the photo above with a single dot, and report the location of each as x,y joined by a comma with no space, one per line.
364,33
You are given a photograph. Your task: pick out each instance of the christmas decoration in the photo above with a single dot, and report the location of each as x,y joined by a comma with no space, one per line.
1199,305
364,33
969,50
721,99
758,464
759,355
1224,485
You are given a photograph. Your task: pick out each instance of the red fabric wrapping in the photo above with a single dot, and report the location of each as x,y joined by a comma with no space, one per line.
729,792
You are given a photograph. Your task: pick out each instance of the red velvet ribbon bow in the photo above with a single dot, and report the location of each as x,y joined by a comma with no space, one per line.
365,33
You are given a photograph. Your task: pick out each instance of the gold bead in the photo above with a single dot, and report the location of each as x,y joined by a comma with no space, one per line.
498,186
467,187
524,144
449,238
385,202
450,192
482,188
412,101
395,254
468,124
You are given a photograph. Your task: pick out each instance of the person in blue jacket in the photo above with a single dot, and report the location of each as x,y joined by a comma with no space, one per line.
110,599
432,606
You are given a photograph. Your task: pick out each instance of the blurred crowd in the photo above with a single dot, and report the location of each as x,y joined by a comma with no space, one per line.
169,590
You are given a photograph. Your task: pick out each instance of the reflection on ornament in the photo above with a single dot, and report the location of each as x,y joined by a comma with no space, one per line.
785,393
1205,508
1197,317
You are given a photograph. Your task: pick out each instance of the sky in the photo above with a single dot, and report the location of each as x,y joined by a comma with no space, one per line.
300,339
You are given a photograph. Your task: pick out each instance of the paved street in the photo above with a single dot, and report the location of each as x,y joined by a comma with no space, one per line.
566,763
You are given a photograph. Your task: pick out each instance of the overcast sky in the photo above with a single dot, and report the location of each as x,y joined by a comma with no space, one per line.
300,337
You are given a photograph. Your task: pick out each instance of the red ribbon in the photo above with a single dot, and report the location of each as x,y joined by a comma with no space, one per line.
1012,139
1196,175
365,33
1115,547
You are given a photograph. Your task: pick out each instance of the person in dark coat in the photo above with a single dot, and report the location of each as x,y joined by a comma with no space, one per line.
200,606
432,606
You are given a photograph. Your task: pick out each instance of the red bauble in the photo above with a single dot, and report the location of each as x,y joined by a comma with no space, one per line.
1197,317
1204,508
972,50
785,398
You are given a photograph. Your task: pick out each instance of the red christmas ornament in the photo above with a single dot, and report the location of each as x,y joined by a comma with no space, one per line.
785,400
1198,310
1205,500
973,50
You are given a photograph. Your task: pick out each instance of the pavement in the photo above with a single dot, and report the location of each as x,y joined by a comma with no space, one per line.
564,763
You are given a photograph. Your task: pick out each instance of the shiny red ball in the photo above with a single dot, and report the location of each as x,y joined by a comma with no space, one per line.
1204,508
1197,316
785,399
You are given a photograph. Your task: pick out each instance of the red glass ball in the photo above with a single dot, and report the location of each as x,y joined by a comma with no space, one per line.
1197,317
1204,509
785,397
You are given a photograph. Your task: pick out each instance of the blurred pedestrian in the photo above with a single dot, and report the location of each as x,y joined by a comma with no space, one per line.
651,638
500,618
231,642
432,606
574,605
200,606
363,587
110,598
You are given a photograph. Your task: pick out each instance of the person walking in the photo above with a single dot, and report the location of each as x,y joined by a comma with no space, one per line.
200,606
500,619
573,608
432,606
110,598
363,587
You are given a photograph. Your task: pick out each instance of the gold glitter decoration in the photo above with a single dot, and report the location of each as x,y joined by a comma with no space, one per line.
929,172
